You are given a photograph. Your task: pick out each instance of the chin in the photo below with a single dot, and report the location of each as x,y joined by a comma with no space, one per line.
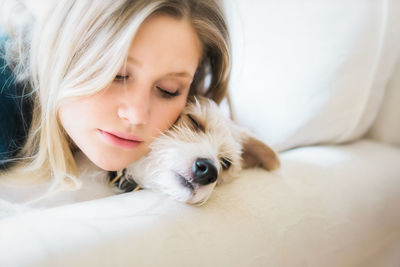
108,163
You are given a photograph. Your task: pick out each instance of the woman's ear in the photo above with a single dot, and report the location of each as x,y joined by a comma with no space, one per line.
257,154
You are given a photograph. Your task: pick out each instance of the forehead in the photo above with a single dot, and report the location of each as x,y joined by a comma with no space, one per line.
166,43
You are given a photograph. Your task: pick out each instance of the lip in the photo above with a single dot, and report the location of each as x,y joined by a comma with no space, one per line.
120,139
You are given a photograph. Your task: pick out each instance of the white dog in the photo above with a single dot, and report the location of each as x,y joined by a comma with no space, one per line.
202,149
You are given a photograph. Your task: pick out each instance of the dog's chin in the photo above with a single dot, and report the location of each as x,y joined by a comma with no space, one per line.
179,187
200,194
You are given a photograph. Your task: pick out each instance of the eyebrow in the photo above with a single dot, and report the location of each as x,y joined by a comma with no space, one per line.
184,74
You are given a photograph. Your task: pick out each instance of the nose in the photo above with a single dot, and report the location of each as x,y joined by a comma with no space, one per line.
204,171
135,107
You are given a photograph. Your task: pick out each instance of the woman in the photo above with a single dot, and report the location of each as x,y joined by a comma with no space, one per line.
107,77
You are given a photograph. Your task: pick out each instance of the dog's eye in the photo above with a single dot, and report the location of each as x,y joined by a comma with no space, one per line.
197,125
226,163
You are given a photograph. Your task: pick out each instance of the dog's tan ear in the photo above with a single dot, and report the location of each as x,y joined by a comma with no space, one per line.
257,154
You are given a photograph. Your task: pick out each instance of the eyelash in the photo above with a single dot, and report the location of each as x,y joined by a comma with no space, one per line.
120,78
164,93
226,163
168,94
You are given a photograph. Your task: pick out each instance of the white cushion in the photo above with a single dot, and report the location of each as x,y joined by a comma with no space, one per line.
307,72
387,125
329,206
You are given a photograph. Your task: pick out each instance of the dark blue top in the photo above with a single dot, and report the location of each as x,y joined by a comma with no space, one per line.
15,113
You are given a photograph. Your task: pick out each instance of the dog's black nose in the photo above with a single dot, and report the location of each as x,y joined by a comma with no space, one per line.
204,171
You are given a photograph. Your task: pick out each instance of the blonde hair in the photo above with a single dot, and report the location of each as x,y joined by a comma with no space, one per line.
78,49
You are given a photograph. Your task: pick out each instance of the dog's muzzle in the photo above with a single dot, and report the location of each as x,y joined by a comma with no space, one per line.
204,171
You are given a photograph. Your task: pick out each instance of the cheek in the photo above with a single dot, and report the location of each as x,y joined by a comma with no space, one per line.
86,108
166,116
67,115
74,128
77,116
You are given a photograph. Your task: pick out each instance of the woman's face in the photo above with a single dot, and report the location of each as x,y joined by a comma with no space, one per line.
115,126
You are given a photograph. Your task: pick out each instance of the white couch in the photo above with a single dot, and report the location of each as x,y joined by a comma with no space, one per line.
319,82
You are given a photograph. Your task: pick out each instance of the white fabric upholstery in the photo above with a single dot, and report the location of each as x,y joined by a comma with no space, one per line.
387,125
328,206
308,72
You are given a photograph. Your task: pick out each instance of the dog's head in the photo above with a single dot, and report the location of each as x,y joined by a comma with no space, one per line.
203,148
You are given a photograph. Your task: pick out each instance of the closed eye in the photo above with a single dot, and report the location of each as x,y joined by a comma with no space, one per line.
119,78
196,124
168,94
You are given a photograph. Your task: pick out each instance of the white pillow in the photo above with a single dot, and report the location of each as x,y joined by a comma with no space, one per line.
387,126
309,72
